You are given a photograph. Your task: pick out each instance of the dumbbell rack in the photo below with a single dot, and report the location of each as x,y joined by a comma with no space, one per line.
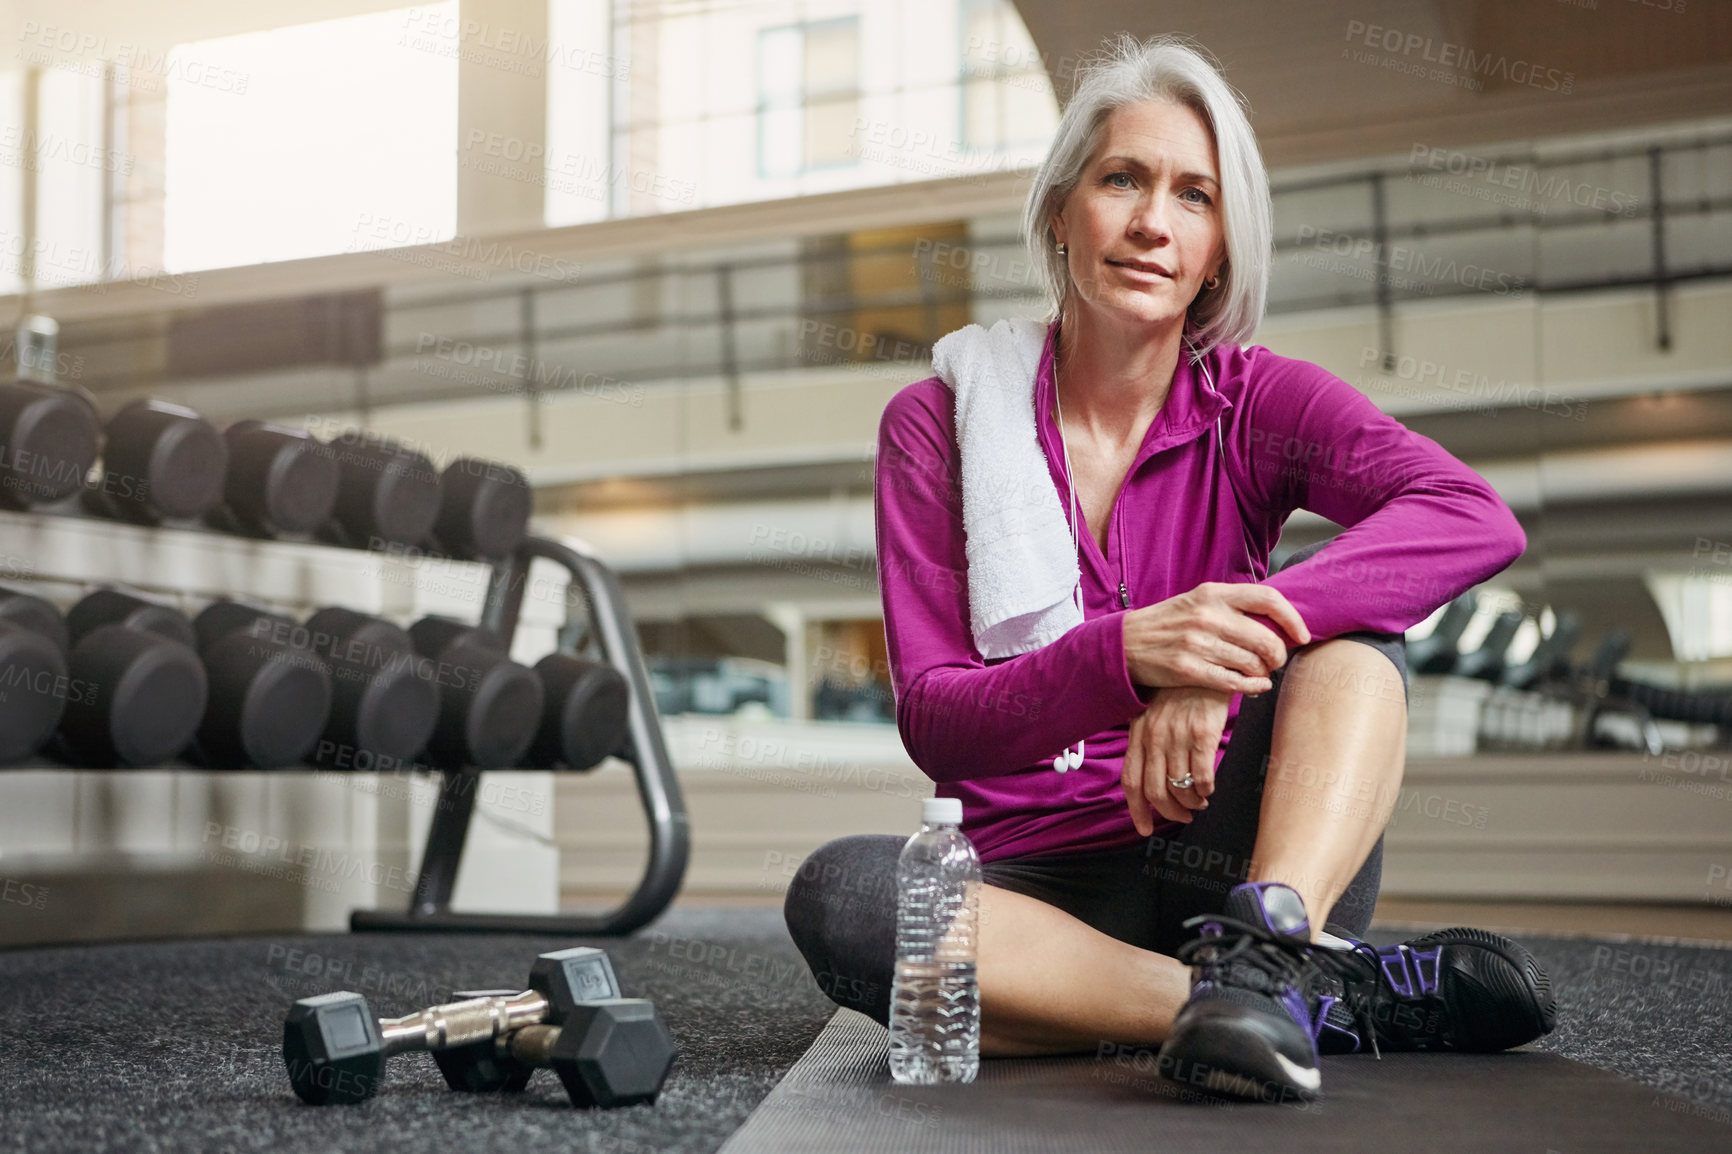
644,749
658,789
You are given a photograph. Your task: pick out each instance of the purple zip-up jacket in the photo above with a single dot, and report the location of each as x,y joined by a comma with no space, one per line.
1420,528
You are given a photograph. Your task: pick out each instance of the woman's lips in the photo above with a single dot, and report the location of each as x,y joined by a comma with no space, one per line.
1143,267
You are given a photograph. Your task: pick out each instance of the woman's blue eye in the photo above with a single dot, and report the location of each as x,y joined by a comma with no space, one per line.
1201,197
1114,177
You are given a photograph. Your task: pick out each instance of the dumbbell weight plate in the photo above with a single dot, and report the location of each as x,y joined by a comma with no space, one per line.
114,607
35,614
162,461
48,441
33,690
384,703
584,717
483,508
387,494
138,699
489,706
268,701
333,1049
614,1052
33,681
280,480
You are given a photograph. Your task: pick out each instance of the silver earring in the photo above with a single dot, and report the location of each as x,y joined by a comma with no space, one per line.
1061,250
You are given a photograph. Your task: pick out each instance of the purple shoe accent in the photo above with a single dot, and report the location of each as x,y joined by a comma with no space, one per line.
1411,972
1294,1003
1425,964
1317,1023
1276,906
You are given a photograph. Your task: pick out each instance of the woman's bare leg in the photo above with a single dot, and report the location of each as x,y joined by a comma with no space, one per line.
1050,983
1335,763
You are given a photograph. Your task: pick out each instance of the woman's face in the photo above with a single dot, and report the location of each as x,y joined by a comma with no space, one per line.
1143,224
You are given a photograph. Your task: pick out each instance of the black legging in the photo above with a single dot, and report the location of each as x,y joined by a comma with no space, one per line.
841,905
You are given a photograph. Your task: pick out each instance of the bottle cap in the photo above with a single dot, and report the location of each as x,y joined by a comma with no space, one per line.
941,811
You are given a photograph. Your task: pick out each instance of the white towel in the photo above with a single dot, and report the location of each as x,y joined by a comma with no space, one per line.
1022,562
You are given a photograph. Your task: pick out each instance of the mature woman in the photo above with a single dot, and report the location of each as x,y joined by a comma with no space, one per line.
1176,765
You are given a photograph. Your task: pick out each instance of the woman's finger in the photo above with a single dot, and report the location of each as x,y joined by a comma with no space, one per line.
1131,778
1269,602
1156,787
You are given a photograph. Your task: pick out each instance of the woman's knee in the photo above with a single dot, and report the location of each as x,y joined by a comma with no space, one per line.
841,912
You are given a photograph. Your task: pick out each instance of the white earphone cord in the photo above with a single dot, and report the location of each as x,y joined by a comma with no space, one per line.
1073,757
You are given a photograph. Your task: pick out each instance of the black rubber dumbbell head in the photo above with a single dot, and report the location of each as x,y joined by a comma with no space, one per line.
35,614
34,684
613,1053
116,607
48,441
489,706
139,697
484,509
384,702
159,461
136,688
387,493
583,718
280,481
333,1049
269,701
566,978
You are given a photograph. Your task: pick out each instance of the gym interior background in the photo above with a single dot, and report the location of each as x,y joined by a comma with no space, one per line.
670,258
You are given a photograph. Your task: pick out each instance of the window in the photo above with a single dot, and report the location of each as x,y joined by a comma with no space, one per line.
1007,99
317,139
808,96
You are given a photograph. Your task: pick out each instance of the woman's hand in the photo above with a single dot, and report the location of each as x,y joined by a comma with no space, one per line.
1204,638
1177,735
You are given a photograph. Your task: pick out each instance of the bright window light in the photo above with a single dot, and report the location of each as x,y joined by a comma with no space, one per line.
310,140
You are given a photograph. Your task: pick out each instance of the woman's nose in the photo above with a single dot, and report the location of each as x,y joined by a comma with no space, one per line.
1150,219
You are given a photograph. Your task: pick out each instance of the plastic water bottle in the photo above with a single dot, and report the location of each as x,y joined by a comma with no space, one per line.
935,998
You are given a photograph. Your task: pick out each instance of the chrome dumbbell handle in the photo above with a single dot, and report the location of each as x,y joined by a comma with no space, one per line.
462,1023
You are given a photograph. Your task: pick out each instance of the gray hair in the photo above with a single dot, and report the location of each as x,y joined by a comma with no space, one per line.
1129,71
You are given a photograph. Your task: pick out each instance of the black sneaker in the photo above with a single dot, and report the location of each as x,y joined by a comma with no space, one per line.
1258,1000
1458,989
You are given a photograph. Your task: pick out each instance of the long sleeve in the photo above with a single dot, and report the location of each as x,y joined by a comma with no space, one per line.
1420,526
959,717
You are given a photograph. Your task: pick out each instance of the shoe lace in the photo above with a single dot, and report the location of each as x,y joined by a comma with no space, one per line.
1300,964
1238,943
1346,965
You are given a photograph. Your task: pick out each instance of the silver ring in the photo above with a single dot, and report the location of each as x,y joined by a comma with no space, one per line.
1180,782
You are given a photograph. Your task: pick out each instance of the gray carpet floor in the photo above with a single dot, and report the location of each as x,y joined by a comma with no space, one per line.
176,1046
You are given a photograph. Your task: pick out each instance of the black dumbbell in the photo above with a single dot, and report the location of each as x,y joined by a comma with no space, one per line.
280,481
489,706
335,1049
34,684
268,700
387,493
383,699
583,719
159,462
48,439
483,509
611,1053
142,689
479,1067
